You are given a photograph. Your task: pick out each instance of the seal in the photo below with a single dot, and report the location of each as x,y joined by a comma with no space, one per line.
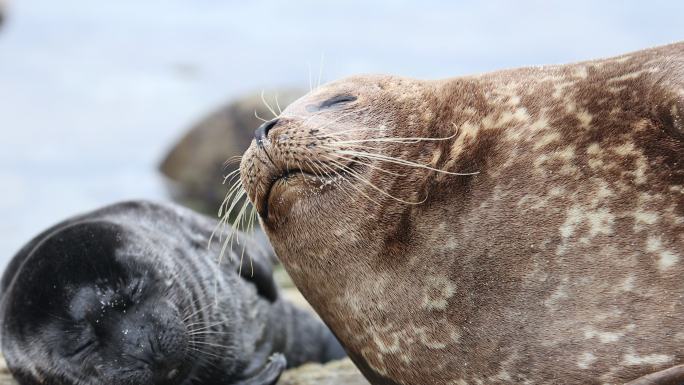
130,294
524,226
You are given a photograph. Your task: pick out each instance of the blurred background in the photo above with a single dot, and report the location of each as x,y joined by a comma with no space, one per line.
94,94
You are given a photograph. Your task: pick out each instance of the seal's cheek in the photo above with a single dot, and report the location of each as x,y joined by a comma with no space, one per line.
293,199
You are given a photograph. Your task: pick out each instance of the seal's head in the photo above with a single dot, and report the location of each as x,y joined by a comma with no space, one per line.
345,149
87,304
496,277
131,295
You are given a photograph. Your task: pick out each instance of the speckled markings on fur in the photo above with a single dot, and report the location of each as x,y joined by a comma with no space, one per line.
561,262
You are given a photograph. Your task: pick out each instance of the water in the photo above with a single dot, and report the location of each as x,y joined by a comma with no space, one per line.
92,93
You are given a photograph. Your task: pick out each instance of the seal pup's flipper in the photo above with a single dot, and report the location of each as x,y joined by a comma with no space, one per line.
670,376
270,373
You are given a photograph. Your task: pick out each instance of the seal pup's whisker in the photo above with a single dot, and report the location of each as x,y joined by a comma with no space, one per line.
204,327
198,311
211,344
207,332
205,353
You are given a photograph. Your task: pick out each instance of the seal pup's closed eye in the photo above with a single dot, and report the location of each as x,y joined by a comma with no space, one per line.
130,294
524,226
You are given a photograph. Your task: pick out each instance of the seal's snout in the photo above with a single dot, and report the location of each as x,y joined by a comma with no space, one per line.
261,133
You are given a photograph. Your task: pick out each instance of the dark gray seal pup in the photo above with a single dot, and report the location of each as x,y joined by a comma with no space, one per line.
561,261
131,295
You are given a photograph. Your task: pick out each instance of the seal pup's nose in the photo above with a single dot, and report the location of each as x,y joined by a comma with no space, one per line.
261,133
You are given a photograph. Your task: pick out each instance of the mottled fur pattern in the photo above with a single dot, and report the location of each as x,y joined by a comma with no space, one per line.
131,295
560,262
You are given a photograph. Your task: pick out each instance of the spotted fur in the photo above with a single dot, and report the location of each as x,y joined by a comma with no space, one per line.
559,262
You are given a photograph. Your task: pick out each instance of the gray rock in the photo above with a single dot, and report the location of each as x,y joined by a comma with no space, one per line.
195,167
3,13
341,372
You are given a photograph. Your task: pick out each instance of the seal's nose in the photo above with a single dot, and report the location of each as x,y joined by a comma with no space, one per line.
261,133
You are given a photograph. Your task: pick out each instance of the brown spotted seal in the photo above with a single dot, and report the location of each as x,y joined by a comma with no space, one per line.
524,226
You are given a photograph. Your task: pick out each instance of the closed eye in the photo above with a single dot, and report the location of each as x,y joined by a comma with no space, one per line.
83,347
339,99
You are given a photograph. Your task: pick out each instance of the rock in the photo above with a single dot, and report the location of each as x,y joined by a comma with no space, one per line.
3,11
342,372
5,376
195,167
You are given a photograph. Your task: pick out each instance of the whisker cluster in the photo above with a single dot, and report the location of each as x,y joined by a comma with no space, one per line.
331,156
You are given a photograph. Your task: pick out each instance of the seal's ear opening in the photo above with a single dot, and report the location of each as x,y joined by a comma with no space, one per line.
269,374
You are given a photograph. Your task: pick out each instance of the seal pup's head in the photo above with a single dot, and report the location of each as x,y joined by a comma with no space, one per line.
130,294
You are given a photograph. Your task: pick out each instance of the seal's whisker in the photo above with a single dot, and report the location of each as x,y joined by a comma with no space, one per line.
320,70
406,140
336,179
401,161
232,175
232,197
353,130
263,99
354,174
369,164
280,110
353,147
349,172
232,160
228,199
256,115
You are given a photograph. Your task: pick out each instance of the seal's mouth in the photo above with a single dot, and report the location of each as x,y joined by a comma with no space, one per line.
282,188
284,176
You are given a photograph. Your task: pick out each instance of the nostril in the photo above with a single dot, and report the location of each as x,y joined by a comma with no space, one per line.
261,133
